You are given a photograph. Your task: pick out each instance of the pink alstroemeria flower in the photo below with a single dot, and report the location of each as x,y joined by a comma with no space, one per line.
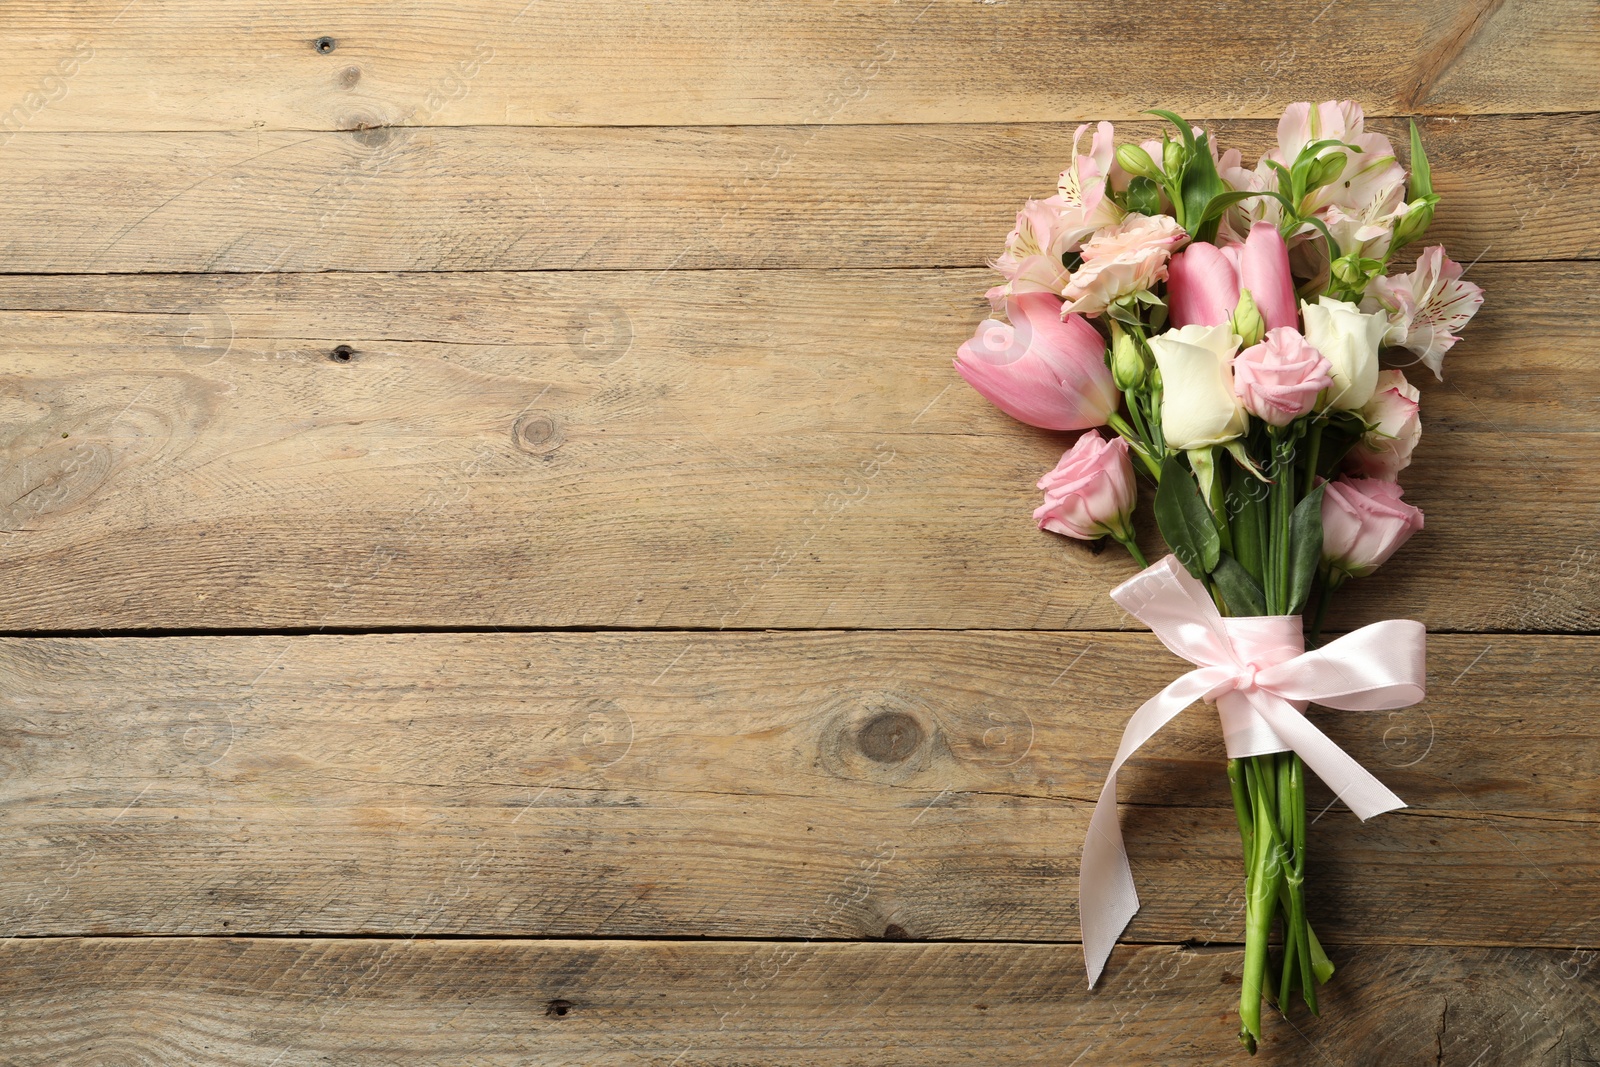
1427,307
1041,368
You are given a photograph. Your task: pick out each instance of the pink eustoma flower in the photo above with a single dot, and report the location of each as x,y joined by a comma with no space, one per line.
1394,429
1091,492
1278,380
1041,369
1363,522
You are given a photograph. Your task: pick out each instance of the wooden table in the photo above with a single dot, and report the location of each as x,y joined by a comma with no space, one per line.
499,569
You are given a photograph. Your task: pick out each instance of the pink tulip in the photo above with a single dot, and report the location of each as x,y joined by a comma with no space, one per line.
1202,287
1278,380
1363,522
1041,369
1264,270
1091,492
1203,281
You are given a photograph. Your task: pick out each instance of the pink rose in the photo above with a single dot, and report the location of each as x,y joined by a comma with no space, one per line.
1121,260
1041,369
1203,281
1278,380
1363,522
1091,492
1393,430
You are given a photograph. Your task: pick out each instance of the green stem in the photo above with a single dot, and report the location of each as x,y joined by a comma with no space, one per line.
1133,550
1140,449
1313,449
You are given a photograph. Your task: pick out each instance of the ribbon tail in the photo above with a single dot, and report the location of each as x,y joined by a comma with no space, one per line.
1350,782
1107,899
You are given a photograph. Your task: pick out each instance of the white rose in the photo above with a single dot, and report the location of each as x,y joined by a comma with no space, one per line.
1198,405
1349,339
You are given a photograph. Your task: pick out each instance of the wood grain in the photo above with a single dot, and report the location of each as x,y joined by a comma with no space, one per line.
703,449
228,1002
204,64
748,785
478,198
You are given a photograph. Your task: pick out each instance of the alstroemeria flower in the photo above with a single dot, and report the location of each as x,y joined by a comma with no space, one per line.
1367,228
1427,307
1123,259
1082,186
1032,262
1366,174
1393,430
1041,368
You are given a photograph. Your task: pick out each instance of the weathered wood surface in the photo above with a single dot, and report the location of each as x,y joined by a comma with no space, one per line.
757,785
485,198
706,449
205,64
231,1002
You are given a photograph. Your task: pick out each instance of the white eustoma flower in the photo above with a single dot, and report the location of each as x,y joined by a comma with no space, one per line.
1349,338
1198,405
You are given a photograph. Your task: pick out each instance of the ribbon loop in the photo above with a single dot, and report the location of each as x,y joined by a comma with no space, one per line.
1259,675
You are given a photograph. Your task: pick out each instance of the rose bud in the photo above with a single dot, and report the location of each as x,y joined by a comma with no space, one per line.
1041,369
1363,522
1278,380
1091,492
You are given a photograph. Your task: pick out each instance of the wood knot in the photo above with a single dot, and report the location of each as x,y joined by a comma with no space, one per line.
342,354
349,76
324,45
559,1008
537,434
890,737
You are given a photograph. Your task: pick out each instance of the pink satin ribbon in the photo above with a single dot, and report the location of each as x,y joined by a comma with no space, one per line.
1261,680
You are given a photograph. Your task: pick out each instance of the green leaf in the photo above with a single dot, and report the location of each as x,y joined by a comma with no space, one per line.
1421,173
1143,196
1185,521
1178,121
1238,587
1223,202
1305,548
1201,184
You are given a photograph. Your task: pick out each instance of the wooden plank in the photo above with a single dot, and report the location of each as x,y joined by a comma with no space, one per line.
242,1001
652,198
749,785
205,64
722,449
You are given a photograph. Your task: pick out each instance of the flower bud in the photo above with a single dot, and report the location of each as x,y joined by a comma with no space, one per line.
1414,222
1172,158
1324,169
1127,362
1135,160
1247,321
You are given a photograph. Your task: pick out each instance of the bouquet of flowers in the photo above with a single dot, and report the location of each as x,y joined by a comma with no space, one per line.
1227,326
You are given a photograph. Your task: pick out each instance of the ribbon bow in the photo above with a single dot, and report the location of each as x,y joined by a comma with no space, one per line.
1261,679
